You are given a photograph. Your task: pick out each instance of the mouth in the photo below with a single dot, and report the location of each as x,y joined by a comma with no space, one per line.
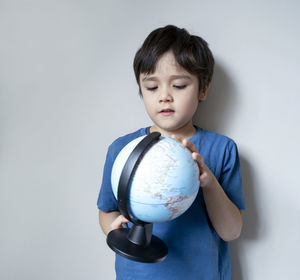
167,112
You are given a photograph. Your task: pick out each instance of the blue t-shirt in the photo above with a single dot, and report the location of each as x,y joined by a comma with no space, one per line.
195,249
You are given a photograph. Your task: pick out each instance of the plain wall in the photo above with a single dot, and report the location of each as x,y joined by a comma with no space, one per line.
67,90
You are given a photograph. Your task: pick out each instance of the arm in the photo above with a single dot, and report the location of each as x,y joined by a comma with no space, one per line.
224,215
111,220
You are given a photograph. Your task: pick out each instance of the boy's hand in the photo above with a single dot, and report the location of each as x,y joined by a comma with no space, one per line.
224,215
119,222
206,176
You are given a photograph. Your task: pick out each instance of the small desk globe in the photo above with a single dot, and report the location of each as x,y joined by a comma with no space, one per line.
163,183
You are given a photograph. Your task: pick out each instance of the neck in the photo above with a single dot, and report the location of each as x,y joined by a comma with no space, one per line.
184,132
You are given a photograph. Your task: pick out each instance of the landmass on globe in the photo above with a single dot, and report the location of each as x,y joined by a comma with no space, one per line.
165,183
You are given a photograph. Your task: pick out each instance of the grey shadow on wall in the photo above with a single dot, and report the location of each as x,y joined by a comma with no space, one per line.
217,111
252,225
216,114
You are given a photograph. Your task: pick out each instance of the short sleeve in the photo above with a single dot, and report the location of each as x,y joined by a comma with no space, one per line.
230,178
106,199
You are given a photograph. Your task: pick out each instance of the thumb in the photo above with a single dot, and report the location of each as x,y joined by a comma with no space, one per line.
118,222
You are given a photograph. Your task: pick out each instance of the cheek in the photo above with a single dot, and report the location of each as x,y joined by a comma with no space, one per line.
190,106
148,102
191,109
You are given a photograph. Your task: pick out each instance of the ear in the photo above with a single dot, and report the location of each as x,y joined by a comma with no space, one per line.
203,94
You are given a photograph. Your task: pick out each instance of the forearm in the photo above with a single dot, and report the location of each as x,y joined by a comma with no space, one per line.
106,219
223,213
225,217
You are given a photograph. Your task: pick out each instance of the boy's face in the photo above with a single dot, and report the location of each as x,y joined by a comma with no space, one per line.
171,96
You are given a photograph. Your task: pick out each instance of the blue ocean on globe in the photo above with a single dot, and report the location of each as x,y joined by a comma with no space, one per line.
165,183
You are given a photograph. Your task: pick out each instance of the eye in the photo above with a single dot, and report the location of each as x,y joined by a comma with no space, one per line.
152,88
180,87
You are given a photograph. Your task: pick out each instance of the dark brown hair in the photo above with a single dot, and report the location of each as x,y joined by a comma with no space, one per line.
191,52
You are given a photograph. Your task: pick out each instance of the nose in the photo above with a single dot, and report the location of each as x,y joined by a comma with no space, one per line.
165,95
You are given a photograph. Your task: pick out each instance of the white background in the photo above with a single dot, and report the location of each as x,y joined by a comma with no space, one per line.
67,90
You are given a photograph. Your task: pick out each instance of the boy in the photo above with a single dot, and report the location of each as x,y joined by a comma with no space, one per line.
173,70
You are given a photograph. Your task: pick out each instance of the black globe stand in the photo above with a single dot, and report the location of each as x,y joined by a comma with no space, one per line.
136,243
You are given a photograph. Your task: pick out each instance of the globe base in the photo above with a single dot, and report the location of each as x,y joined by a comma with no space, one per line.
152,251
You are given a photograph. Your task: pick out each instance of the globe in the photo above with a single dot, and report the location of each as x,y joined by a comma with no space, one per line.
165,182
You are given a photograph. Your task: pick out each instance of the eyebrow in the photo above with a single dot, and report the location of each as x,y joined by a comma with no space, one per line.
173,77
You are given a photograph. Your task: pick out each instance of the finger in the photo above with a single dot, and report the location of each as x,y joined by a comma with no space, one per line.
199,159
191,146
119,222
204,179
177,137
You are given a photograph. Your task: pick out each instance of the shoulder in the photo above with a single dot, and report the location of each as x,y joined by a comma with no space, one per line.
118,144
217,150
214,139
